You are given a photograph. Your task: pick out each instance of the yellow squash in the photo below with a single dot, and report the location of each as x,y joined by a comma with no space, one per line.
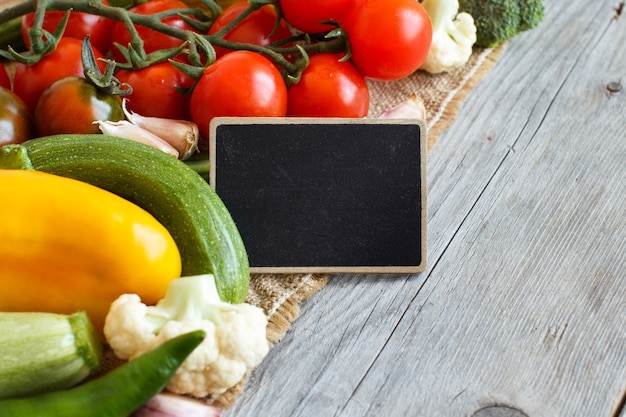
67,246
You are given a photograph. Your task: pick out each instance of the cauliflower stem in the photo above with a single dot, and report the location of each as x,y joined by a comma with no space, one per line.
235,343
185,299
454,34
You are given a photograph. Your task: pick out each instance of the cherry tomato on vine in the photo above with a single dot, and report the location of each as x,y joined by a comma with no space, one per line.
306,15
71,105
329,88
255,29
16,123
241,83
152,39
155,91
390,39
5,81
31,80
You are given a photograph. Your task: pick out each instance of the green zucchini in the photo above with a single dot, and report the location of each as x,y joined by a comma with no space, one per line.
42,352
202,227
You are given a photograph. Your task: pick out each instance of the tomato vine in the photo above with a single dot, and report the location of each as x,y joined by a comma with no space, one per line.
198,44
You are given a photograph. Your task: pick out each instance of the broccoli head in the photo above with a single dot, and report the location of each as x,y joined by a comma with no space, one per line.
499,20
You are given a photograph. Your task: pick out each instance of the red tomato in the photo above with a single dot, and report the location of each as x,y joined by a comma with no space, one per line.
155,91
329,88
306,15
255,29
390,39
5,81
78,26
31,80
102,35
16,123
241,83
153,40
71,105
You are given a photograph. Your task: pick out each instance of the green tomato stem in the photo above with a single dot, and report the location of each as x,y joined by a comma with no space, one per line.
43,43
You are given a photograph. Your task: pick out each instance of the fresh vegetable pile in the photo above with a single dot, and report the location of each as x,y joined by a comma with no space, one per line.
117,242
171,60
174,61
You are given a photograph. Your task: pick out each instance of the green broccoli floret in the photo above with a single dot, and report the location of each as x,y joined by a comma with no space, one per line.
499,20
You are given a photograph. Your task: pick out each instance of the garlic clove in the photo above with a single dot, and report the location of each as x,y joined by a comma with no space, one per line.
181,134
166,404
411,108
127,130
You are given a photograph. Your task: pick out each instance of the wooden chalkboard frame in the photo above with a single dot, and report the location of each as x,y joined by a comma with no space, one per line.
301,127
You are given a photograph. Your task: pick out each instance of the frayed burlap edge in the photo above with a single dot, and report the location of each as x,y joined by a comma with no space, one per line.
443,118
285,309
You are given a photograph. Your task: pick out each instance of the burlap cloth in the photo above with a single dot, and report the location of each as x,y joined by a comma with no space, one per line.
280,296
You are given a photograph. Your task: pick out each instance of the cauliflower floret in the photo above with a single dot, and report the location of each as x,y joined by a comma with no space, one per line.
210,348
235,341
240,345
250,320
454,34
126,329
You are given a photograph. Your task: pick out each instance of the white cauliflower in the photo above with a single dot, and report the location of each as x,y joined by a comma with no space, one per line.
235,343
454,34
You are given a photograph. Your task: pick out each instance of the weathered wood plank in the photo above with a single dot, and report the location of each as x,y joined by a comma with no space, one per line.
524,302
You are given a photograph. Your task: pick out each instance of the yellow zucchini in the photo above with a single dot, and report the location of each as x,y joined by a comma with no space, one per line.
67,246
180,199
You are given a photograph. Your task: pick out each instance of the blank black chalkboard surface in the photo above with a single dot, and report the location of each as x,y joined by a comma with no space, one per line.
324,195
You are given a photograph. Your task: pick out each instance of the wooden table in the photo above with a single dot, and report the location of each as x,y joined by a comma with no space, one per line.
522,308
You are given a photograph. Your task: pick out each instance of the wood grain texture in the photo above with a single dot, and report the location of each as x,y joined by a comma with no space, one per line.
523,302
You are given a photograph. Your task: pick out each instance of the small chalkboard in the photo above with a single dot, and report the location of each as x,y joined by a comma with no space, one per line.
324,195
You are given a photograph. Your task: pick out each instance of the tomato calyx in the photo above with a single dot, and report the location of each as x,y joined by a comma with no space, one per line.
138,58
103,81
334,41
42,41
200,55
